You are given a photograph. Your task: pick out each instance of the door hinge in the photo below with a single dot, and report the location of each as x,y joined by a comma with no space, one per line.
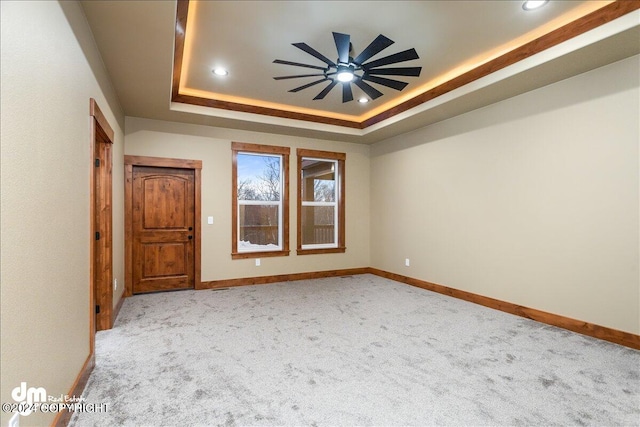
97,163
97,235
97,309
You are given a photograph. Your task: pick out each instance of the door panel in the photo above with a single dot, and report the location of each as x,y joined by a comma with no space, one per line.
164,259
163,223
164,202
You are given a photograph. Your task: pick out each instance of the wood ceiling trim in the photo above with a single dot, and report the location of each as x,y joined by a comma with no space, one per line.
581,25
181,30
273,112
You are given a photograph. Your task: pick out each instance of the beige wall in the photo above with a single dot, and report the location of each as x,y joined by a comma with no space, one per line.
49,72
213,147
533,200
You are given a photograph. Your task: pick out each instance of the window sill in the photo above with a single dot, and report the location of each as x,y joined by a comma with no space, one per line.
265,254
339,250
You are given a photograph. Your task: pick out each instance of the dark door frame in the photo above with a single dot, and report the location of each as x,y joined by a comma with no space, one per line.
129,163
101,217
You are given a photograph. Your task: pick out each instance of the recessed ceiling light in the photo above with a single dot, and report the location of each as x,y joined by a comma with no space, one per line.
220,71
533,4
363,100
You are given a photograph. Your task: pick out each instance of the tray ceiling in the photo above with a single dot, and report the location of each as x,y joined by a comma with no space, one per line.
160,56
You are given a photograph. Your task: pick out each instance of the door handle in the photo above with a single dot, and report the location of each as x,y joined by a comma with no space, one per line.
190,237
190,228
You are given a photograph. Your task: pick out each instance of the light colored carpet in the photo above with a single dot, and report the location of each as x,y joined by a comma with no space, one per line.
349,351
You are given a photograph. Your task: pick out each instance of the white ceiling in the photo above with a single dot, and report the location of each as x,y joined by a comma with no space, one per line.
136,40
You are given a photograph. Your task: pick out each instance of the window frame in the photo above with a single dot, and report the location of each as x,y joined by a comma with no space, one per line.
283,220
340,159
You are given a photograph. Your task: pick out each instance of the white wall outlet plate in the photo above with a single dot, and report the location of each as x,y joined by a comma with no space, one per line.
407,262
209,220
257,262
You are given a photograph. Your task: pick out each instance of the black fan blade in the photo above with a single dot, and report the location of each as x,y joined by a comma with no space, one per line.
393,84
379,44
297,64
368,89
347,95
313,52
298,76
400,71
326,90
342,45
308,85
405,55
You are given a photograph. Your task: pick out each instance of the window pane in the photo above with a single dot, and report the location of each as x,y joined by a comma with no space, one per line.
259,177
258,227
318,180
318,225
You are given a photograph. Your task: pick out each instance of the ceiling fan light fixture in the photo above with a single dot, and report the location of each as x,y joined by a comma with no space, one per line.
345,76
345,73
346,67
534,4
220,71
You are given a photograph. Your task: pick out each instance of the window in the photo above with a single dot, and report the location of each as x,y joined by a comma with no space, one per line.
260,201
320,202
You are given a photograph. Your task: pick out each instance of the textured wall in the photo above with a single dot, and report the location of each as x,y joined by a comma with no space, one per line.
213,147
48,75
533,200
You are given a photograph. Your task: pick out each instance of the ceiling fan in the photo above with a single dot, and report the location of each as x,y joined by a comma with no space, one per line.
347,70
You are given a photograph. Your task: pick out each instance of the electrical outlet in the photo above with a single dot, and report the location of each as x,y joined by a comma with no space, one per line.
15,420
115,284
257,262
209,220
407,262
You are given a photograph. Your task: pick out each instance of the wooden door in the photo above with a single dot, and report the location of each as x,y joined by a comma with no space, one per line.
101,249
103,235
163,222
